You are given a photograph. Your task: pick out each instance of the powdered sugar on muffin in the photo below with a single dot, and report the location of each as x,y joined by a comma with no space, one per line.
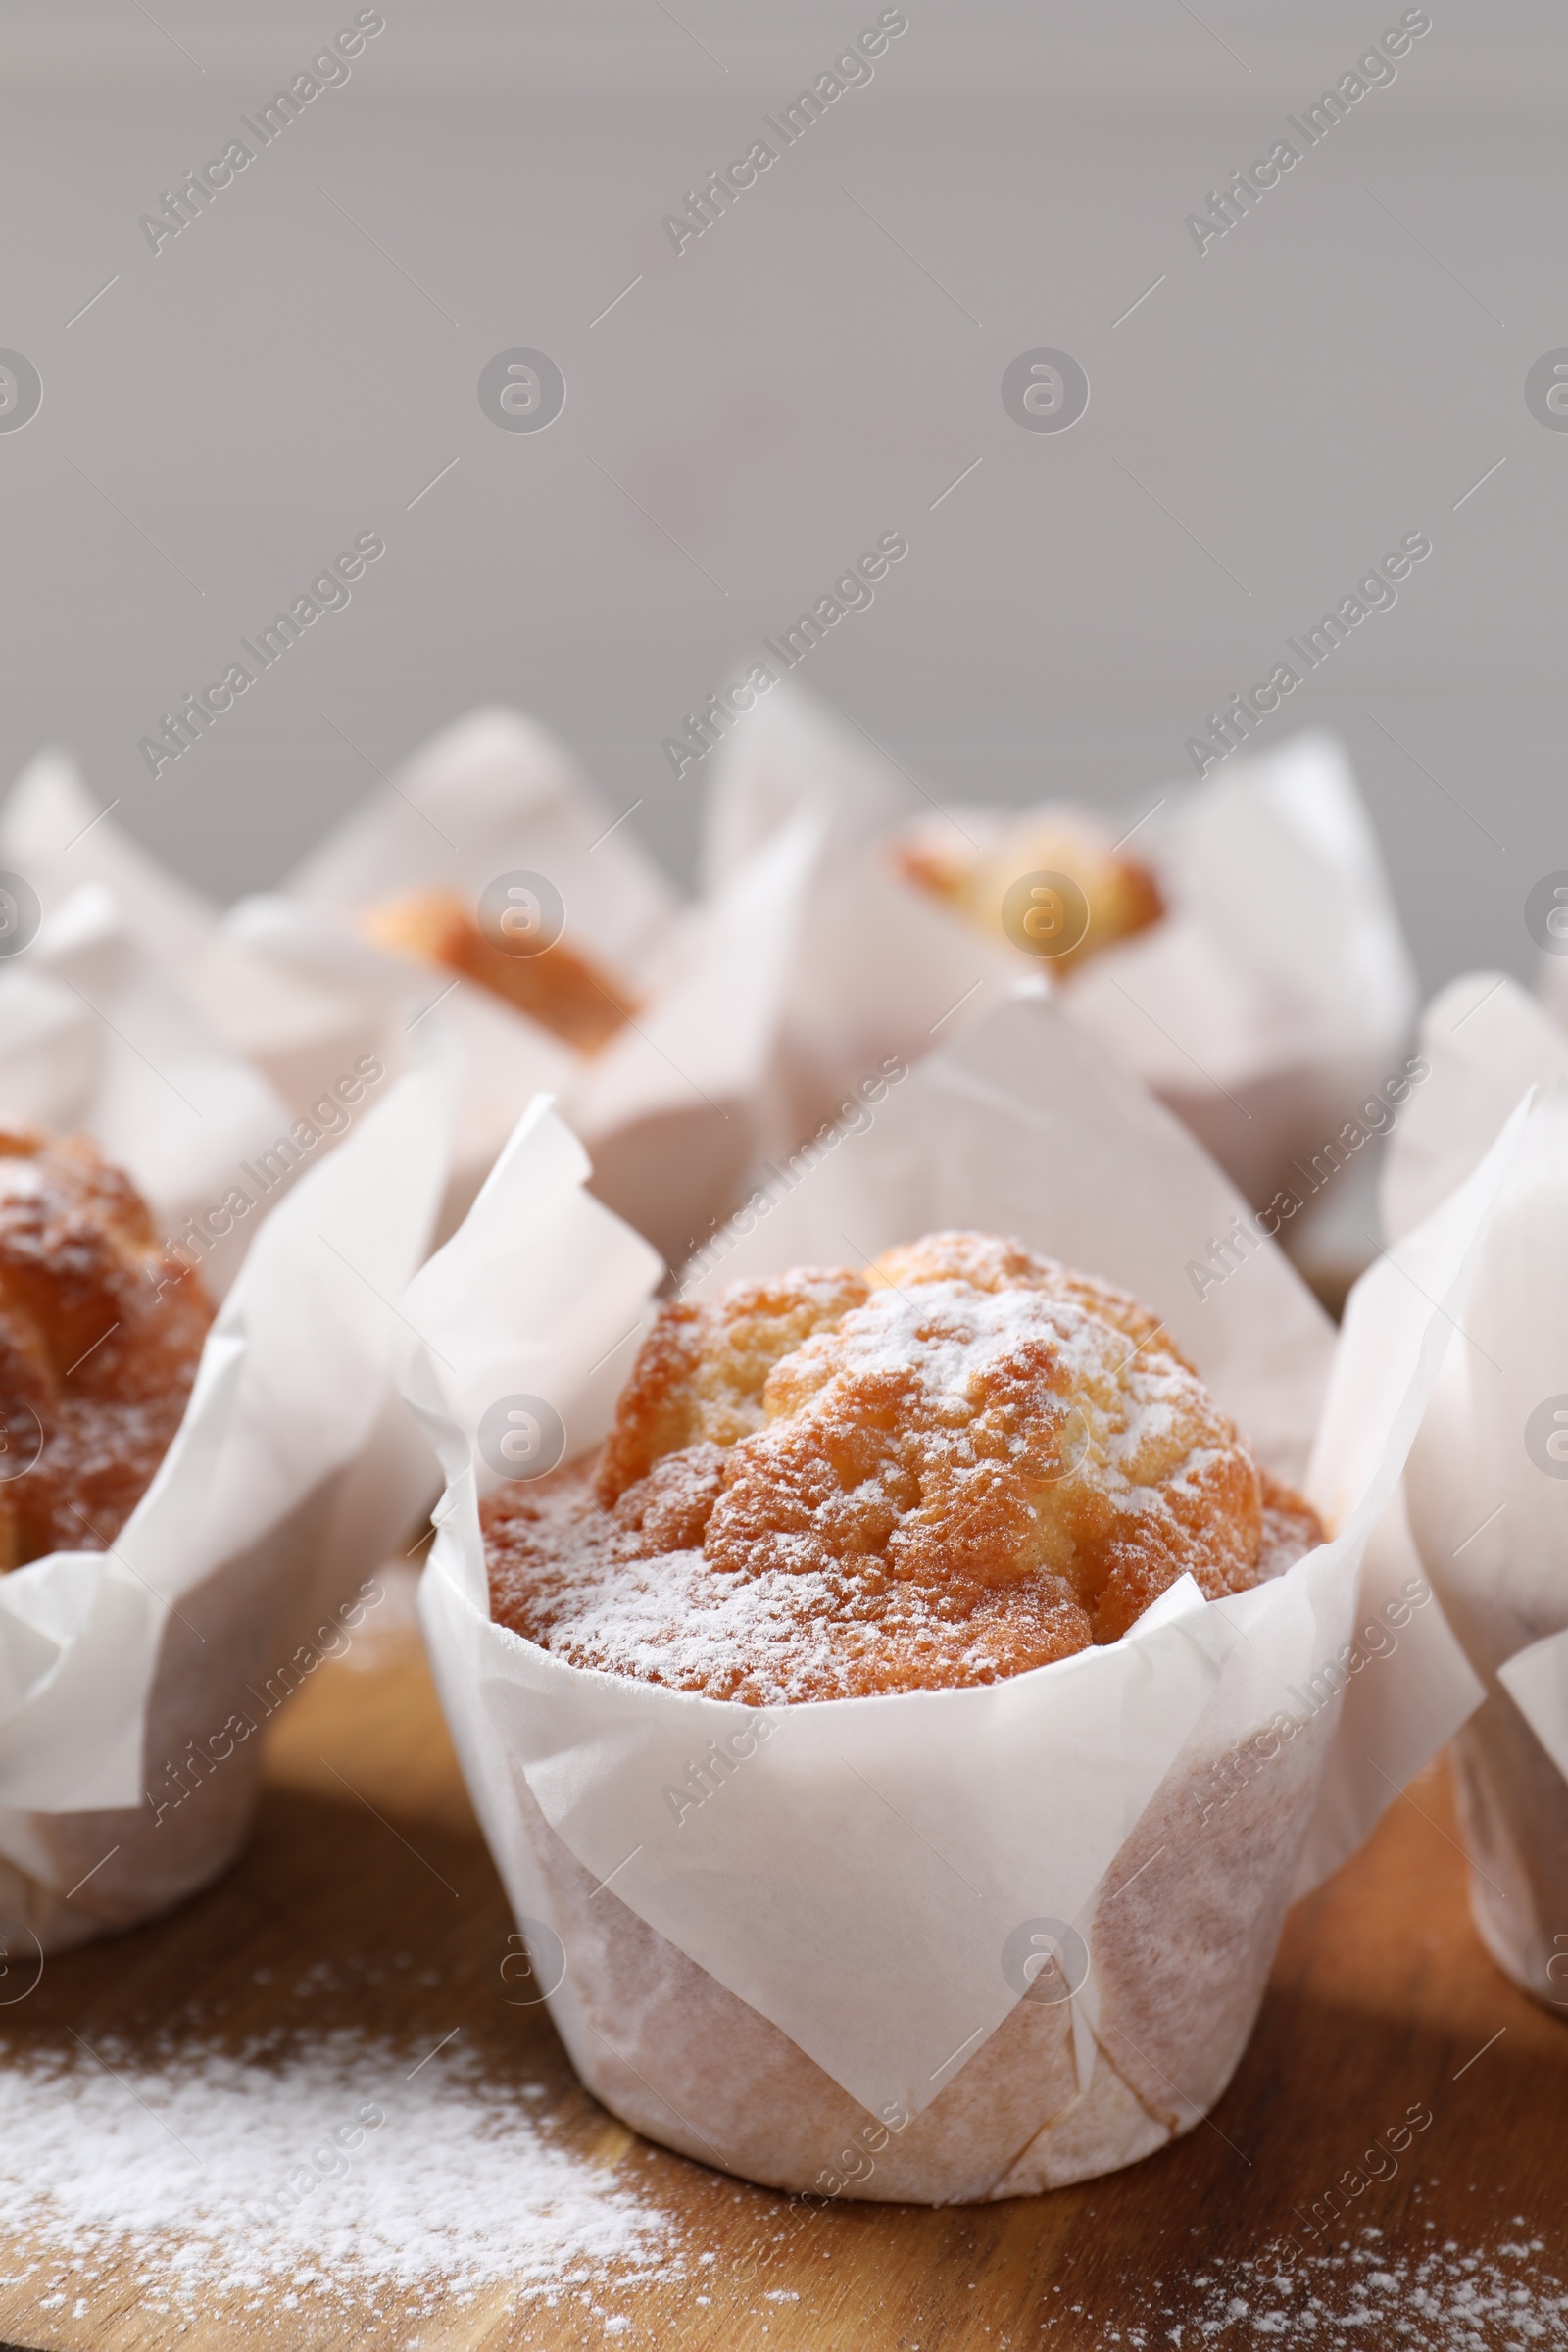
961,1464
101,1328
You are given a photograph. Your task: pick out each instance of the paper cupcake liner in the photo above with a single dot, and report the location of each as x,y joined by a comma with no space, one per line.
1513,1813
1485,1484
1177,1957
97,1872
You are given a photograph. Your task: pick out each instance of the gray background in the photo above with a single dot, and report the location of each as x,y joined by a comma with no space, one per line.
1337,371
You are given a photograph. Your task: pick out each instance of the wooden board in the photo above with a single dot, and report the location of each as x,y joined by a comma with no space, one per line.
1380,2000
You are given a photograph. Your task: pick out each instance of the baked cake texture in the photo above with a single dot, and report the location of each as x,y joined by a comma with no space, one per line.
560,987
961,1463
101,1329
1122,895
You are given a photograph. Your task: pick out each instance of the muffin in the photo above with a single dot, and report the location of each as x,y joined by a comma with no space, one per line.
101,1328
901,1484
216,1484
560,987
1117,895
961,1464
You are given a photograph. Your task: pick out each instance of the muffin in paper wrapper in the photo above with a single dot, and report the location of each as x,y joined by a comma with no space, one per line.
670,1105
1270,997
135,1682
674,1106
1486,1487
965,1944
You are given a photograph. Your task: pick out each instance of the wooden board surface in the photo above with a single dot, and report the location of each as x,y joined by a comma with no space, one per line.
1380,2001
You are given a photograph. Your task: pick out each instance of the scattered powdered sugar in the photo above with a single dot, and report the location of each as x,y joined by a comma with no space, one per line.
1440,2298
348,2176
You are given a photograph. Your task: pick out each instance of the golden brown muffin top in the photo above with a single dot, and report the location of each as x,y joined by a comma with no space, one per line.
99,1333
961,1463
1121,894
560,987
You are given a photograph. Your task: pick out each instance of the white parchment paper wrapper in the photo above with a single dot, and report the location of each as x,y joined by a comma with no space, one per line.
1487,1480
672,1105
1275,991
59,837
115,1020
813,1979
124,1783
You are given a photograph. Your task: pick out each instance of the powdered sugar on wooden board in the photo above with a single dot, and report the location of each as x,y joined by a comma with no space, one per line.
348,2176
1438,2295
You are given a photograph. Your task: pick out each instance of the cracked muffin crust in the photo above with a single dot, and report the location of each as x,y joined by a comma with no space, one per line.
100,1331
961,1463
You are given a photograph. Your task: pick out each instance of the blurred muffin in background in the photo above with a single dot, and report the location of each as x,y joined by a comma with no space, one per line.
1050,883
561,989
